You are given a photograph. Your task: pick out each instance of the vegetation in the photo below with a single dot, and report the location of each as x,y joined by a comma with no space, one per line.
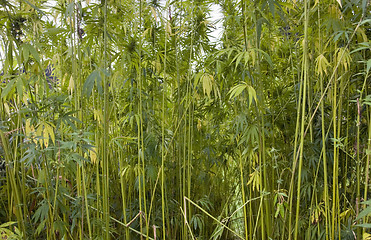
121,119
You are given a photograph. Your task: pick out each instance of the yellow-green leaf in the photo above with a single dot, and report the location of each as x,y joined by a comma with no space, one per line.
50,131
207,83
321,64
237,90
93,155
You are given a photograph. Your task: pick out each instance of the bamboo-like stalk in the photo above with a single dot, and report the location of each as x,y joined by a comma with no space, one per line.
303,111
13,184
151,105
288,212
241,165
243,193
106,208
141,165
163,135
324,152
187,156
85,188
367,164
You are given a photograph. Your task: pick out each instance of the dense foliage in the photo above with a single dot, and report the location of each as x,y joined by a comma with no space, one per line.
122,119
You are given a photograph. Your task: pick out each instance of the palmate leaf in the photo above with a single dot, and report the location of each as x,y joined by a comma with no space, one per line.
94,77
30,49
238,58
60,226
364,225
17,82
48,131
237,90
26,53
251,134
40,227
207,83
266,56
7,224
364,46
255,180
42,212
93,155
34,7
322,64
343,56
9,87
364,213
280,211
252,94
367,100
54,31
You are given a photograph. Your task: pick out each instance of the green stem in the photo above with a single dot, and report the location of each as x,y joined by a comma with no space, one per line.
302,127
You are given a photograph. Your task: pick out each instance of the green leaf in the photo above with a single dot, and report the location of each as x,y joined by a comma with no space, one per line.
34,7
42,212
33,51
252,94
364,213
364,5
266,56
259,29
207,83
367,101
282,210
277,212
238,57
197,78
89,83
69,9
4,232
19,85
365,21
60,226
26,53
271,7
368,202
40,227
9,87
7,224
237,90
53,31
364,225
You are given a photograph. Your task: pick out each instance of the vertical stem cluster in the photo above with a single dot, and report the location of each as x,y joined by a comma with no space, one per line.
305,69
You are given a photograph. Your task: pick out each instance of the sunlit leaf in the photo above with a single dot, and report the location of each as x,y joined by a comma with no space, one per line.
364,213
93,155
207,83
7,224
94,77
322,64
28,47
237,90
9,87
53,31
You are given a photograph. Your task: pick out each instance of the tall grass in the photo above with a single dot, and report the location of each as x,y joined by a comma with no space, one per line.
149,130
